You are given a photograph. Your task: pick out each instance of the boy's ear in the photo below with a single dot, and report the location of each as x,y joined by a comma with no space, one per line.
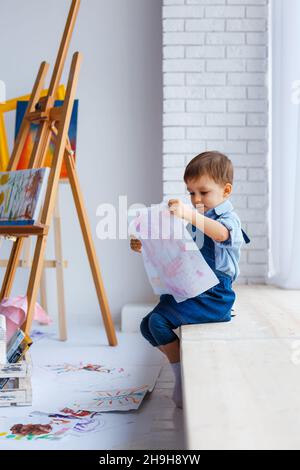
227,189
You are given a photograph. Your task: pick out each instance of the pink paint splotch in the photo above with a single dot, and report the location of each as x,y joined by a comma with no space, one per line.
172,269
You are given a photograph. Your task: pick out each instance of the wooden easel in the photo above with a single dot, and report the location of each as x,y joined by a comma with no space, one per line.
52,121
59,264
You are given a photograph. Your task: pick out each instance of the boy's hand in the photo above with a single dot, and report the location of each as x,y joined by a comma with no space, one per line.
178,208
136,245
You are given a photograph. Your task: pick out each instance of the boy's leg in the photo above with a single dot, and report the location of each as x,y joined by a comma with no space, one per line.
172,351
162,331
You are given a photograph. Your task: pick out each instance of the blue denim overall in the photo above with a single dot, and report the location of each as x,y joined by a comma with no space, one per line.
214,305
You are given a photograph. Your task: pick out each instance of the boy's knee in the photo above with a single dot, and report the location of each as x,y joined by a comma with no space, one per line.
161,329
145,330
156,321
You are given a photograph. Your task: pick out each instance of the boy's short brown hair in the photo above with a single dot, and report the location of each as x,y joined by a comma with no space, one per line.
214,164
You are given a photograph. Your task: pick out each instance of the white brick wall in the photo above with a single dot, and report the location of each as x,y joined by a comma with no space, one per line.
216,98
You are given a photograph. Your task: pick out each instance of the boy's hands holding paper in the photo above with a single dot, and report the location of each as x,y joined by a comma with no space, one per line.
212,228
179,209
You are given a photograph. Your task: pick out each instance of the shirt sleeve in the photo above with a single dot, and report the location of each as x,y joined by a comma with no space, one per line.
233,224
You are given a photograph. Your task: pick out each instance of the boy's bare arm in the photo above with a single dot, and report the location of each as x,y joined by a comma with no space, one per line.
212,228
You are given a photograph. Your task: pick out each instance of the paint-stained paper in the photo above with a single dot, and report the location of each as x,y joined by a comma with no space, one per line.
172,260
33,428
112,400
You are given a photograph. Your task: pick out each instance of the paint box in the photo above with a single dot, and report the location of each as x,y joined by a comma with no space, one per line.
17,391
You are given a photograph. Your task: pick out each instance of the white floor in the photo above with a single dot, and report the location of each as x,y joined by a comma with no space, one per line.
156,425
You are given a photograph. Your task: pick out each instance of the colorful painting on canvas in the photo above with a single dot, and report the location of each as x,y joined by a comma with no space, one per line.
29,143
21,195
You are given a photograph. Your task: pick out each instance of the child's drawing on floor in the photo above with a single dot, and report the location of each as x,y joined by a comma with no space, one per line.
34,428
115,400
66,368
67,413
88,425
83,422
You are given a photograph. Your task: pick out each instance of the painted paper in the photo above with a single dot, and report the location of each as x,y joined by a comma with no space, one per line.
34,428
67,413
66,368
172,260
114,400
84,422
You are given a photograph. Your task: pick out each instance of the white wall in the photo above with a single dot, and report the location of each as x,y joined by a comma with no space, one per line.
119,141
216,98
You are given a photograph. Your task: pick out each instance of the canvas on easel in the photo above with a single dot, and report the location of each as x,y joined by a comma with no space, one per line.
21,195
8,107
32,135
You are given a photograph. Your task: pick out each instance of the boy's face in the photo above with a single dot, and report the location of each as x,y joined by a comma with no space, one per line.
206,193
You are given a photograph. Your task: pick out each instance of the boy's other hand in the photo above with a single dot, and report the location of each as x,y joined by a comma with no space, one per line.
179,209
136,245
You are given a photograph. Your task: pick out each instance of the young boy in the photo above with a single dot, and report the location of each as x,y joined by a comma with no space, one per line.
209,180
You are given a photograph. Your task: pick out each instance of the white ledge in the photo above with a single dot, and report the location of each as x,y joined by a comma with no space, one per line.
241,379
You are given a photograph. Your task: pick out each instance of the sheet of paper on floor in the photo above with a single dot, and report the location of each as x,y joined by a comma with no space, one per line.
83,425
90,421
67,368
89,345
112,400
115,429
34,428
102,376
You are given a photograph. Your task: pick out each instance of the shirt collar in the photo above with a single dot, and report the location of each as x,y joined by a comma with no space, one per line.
225,206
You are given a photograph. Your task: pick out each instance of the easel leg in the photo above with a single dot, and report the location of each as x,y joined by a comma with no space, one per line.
43,290
59,273
26,263
86,232
11,268
34,281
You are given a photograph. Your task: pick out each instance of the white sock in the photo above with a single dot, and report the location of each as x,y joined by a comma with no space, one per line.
177,393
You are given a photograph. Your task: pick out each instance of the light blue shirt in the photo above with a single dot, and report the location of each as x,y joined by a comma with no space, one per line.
227,254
